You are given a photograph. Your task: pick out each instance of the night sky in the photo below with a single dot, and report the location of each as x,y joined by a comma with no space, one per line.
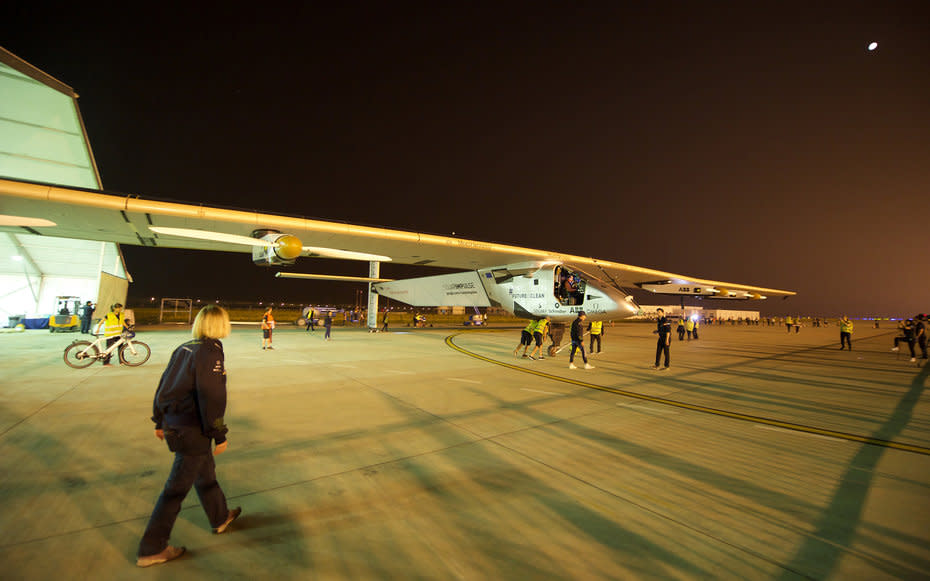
752,142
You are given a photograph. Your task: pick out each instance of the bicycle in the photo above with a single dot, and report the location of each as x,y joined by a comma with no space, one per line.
81,354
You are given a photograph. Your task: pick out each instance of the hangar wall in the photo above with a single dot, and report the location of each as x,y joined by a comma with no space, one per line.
42,139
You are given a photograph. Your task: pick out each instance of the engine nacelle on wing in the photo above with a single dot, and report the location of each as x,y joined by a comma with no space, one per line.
282,250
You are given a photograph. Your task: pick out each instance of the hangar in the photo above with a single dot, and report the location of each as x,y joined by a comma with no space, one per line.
42,139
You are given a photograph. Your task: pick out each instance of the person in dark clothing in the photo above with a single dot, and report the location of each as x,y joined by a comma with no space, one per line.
920,333
664,330
87,315
577,332
384,326
328,325
188,413
309,321
907,334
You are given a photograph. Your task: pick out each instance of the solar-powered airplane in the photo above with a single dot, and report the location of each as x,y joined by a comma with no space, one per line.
526,282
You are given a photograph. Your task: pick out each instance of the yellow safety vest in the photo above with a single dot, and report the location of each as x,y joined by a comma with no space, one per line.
596,327
846,326
541,326
113,324
788,321
689,325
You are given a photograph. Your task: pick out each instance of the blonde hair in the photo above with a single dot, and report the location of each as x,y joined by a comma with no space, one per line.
212,322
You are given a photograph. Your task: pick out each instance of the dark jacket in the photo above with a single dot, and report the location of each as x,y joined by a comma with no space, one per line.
192,390
577,331
663,327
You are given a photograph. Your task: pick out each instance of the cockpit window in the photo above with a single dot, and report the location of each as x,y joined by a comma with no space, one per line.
568,286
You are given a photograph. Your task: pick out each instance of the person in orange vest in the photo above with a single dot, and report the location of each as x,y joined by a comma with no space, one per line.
267,327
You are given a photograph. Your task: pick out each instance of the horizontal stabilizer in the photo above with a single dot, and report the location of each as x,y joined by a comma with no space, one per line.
462,289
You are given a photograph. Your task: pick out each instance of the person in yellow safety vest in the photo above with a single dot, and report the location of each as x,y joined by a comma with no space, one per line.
540,330
113,324
846,329
596,330
526,338
689,326
789,323
681,329
697,323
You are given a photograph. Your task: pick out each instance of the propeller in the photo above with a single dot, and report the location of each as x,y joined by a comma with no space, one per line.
288,245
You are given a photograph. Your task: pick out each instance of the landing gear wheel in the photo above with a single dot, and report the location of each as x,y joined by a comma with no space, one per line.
75,356
141,355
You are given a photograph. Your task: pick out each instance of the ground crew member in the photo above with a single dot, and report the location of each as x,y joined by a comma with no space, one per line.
526,338
87,315
267,328
789,323
539,333
113,324
328,327
681,329
689,326
664,330
920,331
697,323
846,329
596,329
907,334
310,321
578,341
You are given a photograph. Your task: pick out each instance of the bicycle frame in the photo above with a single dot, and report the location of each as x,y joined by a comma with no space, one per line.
101,341
80,354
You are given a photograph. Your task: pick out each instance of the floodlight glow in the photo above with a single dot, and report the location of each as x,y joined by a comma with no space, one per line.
873,46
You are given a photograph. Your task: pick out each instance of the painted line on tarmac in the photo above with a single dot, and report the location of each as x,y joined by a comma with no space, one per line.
699,408
463,380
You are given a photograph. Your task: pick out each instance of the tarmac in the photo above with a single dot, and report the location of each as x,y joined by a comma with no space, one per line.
437,454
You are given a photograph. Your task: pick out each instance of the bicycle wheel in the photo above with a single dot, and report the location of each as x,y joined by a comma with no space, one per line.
77,357
134,354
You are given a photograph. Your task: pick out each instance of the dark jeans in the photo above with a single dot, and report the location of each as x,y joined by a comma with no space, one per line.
662,346
577,346
910,343
593,339
845,339
110,343
85,325
198,471
923,345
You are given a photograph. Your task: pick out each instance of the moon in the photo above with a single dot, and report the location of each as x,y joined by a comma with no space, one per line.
873,45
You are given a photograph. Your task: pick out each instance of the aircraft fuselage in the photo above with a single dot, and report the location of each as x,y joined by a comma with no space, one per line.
530,290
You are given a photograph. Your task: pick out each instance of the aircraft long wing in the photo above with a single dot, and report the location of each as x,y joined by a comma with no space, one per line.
49,210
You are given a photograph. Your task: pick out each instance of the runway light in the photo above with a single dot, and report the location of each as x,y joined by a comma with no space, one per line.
873,46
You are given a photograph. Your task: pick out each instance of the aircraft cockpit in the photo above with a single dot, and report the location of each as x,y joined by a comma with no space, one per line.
568,286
